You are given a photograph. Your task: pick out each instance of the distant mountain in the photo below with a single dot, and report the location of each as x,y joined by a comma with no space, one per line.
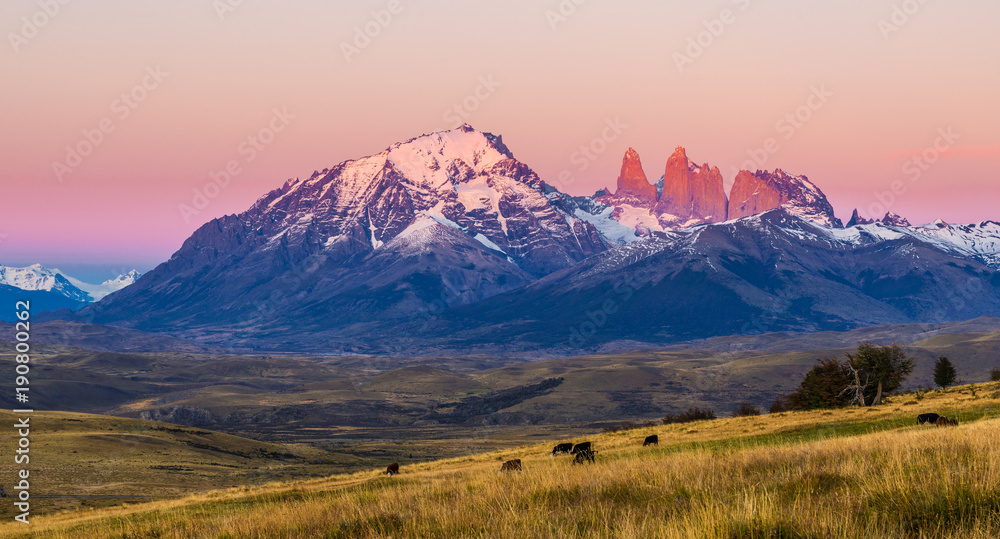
47,290
50,289
447,242
98,291
40,279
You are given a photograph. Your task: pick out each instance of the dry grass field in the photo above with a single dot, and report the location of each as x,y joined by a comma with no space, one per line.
841,473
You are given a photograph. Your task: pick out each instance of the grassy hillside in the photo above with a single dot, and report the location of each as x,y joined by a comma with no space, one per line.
80,460
841,473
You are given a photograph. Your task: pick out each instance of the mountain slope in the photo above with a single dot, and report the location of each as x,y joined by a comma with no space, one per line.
771,272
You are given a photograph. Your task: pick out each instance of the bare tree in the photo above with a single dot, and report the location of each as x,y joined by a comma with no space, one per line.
857,388
886,366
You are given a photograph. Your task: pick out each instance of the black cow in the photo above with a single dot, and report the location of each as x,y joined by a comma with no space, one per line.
393,469
583,446
511,466
562,448
651,440
584,456
927,418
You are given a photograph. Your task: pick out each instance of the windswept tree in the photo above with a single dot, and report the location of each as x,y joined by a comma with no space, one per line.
876,370
944,372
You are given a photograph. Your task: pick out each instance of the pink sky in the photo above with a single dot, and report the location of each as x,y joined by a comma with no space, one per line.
553,85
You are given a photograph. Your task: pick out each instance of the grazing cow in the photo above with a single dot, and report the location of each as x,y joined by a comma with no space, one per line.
562,448
946,422
586,455
927,418
651,440
511,466
583,446
393,469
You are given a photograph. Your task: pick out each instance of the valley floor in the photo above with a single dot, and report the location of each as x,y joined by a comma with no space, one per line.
840,473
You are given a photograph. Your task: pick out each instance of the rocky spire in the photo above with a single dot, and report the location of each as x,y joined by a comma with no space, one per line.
856,219
691,194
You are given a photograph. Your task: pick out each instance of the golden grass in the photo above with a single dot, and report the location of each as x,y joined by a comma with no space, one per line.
845,473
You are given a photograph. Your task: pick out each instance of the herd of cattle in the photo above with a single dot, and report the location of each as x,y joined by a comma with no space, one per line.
584,451
939,420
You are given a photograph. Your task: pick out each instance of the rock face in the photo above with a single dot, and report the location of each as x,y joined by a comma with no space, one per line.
692,195
633,187
686,195
893,219
755,193
752,195
856,220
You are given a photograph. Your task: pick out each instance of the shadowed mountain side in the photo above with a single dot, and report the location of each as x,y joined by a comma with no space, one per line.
765,274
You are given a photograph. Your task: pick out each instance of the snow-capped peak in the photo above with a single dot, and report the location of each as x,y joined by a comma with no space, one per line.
33,277
433,161
98,291
39,278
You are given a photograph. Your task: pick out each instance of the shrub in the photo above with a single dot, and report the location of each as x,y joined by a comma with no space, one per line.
693,414
780,405
995,375
746,409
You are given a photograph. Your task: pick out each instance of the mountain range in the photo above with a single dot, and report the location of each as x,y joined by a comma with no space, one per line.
51,289
448,242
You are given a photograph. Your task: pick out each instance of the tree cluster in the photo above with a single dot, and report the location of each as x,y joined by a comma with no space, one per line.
863,378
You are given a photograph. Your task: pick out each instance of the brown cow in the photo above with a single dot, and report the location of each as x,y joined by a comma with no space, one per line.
393,469
511,466
946,422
